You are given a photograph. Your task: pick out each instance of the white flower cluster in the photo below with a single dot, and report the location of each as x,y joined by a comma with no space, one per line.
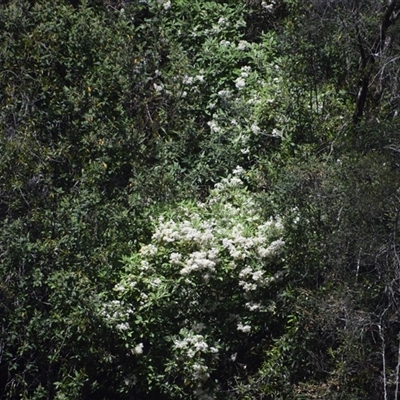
252,279
200,261
166,4
240,83
115,311
243,328
188,80
268,6
243,45
216,239
224,43
158,88
193,344
191,348
190,230
197,251
214,126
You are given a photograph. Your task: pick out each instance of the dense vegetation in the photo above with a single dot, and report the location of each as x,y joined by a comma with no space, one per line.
199,199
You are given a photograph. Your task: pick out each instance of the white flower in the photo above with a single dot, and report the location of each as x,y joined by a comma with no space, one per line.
224,43
158,88
245,272
268,7
248,286
200,78
138,349
240,83
255,128
243,45
119,288
263,252
222,21
243,328
187,80
213,126
253,306
276,245
257,275
150,250
201,346
167,5
156,282
213,350
123,326
238,170
276,133
185,271
175,258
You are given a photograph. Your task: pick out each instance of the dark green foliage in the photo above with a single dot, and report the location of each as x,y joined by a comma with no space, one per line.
113,110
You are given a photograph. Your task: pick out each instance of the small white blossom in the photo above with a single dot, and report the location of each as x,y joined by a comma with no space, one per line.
138,349
276,133
167,5
156,282
253,306
158,88
255,128
119,288
213,126
191,353
243,45
175,258
245,272
240,83
257,275
222,21
224,43
149,250
123,326
187,80
213,350
200,78
269,7
238,170
243,328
